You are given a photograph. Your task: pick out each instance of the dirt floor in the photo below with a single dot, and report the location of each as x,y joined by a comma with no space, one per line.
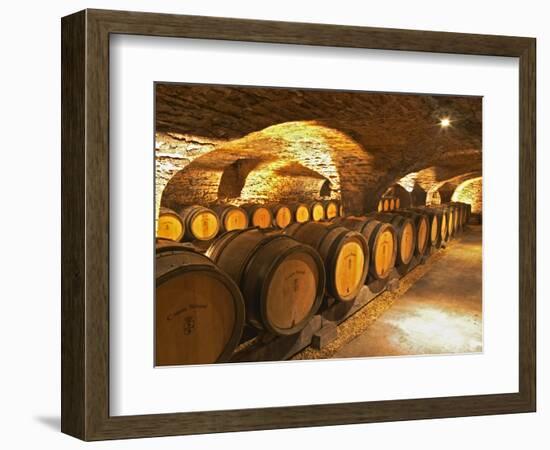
438,309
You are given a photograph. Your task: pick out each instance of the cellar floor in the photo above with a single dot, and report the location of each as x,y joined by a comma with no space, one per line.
440,313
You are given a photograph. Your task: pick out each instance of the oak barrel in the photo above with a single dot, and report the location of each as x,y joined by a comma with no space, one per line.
464,213
282,215
450,220
435,218
281,279
382,240
345,254
422,226
231,217
170,225
167,245
259,216
444,225
455,211
468,212
317,211
459,216
461,213
300,212
331,209
199,310
200,223
406,236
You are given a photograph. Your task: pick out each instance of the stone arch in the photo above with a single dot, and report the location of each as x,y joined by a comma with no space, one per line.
280,157
234,177
326,189
418,196
445,189
446,192
436,184
433,198
470,191
281,181
398,191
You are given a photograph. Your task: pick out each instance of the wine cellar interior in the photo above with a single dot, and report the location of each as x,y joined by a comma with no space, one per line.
312,224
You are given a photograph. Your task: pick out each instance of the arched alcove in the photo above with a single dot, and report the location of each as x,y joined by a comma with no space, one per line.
433,198
418,196
281,181
276,162
470,191
234,177
326,189
257,169
398,191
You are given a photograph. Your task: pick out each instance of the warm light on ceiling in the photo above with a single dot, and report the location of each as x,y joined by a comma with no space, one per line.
445,122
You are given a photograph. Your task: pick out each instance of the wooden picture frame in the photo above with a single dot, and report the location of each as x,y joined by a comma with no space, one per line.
85,224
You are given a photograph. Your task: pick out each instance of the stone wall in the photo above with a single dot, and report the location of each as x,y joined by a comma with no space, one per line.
470,192
174,152
286,162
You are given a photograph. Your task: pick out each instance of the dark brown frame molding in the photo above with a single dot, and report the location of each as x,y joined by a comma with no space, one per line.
85,224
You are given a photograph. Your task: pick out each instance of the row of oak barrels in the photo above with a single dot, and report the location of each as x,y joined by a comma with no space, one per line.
275,280
389,204
196,222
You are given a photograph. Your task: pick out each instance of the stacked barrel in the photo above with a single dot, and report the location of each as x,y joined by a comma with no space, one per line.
388,203
423,228
270,267
202,223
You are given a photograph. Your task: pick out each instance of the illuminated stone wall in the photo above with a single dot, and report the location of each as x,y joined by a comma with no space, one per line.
292,162
173,152
470,192
433,198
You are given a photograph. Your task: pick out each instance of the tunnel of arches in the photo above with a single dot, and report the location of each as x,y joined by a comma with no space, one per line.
271,150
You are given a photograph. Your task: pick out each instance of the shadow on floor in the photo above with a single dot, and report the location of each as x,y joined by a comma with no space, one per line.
52,422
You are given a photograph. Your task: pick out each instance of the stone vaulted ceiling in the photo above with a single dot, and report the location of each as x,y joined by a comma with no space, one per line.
361,142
